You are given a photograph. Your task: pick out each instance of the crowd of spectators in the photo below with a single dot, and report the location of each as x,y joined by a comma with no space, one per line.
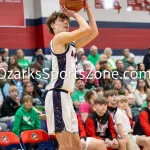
110,106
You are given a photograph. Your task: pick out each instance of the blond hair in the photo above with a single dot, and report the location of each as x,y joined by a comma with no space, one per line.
12,88
26,98
121,98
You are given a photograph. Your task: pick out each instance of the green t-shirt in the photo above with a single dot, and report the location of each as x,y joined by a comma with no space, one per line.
79,96
144,105
25,120
141,75
93,59
23,63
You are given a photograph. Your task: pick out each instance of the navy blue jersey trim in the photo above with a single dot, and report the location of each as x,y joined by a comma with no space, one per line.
73,44
62,53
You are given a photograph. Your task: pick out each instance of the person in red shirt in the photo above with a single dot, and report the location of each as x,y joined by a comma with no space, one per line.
89,143
142,126
99,124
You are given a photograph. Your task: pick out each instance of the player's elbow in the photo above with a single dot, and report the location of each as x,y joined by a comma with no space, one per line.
86,30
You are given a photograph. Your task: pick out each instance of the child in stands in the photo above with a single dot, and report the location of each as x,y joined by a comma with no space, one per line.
26,118
99,124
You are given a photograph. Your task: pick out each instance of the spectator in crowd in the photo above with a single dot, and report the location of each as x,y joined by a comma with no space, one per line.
148,78
100,91
88,106
146,60
89,143
142,124
126,53
103,66
26,79
3,74
80,52
92,82
130,62
26,118
93,57
80,67
13,63
102,57
134,108
141,71
122,122
130,80
11,103
30,90
46,69
38,51
87,70
140,92
16,80
117,85
119,69
6,54
112,105
24,63
78,95
106,81
111,62
99,125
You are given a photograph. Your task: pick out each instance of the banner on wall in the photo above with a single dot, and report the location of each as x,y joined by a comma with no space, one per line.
12,13
143,5
100,4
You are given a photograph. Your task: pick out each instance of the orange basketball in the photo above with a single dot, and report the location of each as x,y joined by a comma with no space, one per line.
75,5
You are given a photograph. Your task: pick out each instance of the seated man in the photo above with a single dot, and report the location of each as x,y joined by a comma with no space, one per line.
99,124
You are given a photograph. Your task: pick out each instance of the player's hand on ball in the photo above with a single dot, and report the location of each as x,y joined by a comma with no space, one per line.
67,12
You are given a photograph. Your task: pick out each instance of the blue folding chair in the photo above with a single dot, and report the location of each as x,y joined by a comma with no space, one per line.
10,141
36,139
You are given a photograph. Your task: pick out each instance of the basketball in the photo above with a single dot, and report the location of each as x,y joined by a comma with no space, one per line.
75,5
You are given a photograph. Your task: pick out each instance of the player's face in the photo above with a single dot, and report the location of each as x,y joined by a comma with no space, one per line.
61,25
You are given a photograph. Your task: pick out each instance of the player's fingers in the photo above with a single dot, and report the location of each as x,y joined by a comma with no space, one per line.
65,8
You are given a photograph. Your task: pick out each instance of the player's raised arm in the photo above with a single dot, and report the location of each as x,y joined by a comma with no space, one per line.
94,31
65,37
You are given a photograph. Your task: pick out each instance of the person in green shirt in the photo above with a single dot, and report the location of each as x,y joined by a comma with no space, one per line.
78,95
93,57
23,63
141,71
26,117
126,53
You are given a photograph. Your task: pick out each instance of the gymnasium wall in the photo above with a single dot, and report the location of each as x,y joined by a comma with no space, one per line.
118,31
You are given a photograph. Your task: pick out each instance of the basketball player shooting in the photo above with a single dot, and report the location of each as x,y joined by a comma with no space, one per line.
61,117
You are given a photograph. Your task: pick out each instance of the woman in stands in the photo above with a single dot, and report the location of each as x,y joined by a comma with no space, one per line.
13,63
24,63
87,107
30,90
140,92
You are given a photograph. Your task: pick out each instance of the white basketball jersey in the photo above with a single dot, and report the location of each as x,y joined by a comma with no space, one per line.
63,73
